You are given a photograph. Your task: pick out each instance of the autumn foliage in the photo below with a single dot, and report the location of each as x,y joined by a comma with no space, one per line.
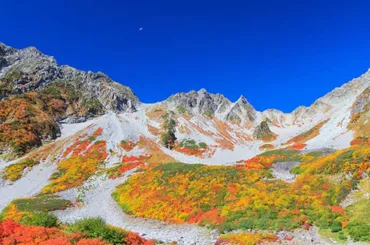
305,136
13,233
246,196
360,141
297,146
15,171
86,157
128,163
266,147
247,238
128,145
30,119
26,120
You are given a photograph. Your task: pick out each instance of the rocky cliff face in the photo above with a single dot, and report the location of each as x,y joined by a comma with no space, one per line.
360,114
200,102
263,132
242,111
214,105
362,102
28,69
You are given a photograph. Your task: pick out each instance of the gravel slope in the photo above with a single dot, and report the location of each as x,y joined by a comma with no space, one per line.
281,170
29,185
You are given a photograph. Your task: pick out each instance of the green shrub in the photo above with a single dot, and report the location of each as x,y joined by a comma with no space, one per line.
281,152
192,145
41,204
208,114
189,144
202,145
297,170
342,236
345,156
359,231
40,219
180,109
168,139
336,227
170,169
97,228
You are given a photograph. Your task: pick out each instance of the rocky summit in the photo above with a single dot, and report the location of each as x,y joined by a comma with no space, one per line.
28,69
79,154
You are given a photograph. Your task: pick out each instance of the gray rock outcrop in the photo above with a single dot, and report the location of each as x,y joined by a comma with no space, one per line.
28,69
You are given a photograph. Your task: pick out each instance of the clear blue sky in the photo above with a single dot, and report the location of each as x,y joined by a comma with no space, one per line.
277,54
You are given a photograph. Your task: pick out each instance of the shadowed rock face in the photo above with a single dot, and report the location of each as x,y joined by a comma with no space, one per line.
263,131
242,110
28,69
361,102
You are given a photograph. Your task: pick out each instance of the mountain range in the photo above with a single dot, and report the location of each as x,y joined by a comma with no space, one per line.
52,113
199,115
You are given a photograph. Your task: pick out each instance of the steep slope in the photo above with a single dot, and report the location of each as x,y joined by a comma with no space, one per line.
37,94
28,69
360,115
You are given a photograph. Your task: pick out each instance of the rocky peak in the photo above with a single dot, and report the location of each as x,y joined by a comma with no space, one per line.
29,69
210,105
347,91
242,100
200,102
202,91
242,111
4,49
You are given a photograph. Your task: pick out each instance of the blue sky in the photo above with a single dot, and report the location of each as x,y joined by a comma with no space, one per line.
278,54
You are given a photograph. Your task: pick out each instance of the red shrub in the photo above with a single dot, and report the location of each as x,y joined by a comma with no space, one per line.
56,241
135,239
90,242
298,146
337,209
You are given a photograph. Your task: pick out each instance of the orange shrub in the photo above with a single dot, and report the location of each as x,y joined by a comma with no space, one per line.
128,163
310,134
267,147
97,132
128,146
297,146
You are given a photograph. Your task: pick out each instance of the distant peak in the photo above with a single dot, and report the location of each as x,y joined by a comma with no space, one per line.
33,49
243,100
202,91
